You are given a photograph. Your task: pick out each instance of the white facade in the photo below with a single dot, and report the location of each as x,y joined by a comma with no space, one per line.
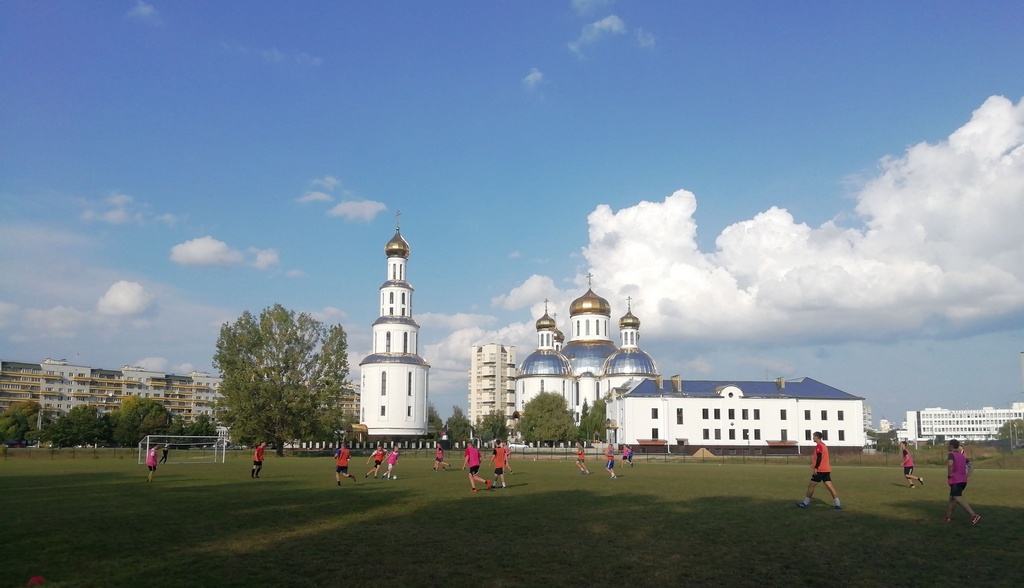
745,416
492,381
979,424
394,378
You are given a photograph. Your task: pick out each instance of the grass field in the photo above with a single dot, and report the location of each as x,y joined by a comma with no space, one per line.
88,523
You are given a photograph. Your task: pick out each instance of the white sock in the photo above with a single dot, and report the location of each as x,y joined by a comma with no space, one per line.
806,500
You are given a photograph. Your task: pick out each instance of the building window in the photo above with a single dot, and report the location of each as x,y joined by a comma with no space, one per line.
405,342
718,413
732,414
807,415
704,412
679,416
743,414
782,414
707,433
840,416
391,297
408,411
785,435
757,434
387,342
654,414
718,434
842,435
383,383
824,415
757,414
383,409
408,385
824,435
732,434
807,435
654,434
746,434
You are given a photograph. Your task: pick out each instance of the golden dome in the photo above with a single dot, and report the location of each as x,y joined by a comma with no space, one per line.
397,246
559,336
590,303
545,323
629,321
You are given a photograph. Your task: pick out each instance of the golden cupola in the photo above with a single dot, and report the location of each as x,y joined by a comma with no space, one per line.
590,303
397,246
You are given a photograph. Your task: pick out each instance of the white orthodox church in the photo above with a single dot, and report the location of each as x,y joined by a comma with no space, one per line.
643,409
394,378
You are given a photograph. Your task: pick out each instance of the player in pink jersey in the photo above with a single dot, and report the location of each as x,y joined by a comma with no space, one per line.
908,466
958,469
392,462
473,461
439,459
151,462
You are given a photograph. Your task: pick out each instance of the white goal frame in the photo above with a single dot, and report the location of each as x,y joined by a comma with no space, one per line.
186,448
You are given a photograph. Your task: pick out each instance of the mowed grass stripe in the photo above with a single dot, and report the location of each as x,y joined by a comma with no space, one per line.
98,523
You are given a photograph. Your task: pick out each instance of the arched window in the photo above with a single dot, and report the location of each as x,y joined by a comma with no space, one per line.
588,326
391,297
577,328
383,385
405,345
387,343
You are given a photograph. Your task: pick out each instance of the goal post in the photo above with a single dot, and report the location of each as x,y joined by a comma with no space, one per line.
185,448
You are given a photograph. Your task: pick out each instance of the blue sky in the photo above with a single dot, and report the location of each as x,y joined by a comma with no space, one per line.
783,189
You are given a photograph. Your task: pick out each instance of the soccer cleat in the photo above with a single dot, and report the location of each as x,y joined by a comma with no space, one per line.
339,482
912,486
801,505
838,507
946,519
975,519
920,481
472,489
488,484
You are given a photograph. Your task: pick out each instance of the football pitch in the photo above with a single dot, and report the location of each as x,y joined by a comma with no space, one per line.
98,523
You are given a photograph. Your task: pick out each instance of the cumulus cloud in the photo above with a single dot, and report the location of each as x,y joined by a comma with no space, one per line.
327,182
533,78
143,12
124,298
155,364
455,321
205,251
596,31
60,322
535,288
314,196
357,210
264,258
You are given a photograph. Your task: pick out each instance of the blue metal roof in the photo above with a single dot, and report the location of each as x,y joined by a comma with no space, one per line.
798,388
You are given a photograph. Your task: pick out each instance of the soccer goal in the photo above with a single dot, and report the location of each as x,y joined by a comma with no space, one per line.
184,448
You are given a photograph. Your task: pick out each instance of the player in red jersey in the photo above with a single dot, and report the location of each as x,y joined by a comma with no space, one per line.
821,472
257,460
341,457
378,458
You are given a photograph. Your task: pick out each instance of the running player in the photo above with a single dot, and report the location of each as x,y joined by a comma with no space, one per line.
392,462
627,455
257,460
378,458
821,471
473,461
958,469
581,456
498,459
341,457
439,459
609,456
151,462
908,466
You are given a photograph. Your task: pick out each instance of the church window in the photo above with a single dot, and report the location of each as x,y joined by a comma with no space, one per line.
587,324
408,385
654,414
679,416
383,383
391,297
405,342
383,410
387,342
577,328
403,297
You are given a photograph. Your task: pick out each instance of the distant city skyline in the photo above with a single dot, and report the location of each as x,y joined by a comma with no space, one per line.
830,192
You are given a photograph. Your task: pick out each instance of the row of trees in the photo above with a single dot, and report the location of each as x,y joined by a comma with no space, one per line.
85,425
545,418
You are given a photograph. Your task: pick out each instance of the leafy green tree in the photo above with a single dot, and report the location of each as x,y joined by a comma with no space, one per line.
459,427
1012,431
547,418
203,425
492,426
138,417
18,421
283,376
82,425
593,419
434,422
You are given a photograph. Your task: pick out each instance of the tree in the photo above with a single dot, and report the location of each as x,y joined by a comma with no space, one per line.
283,374
82,425
492,426
459,427
434,423
138,417
18,421
1012,431
204,425
593,419
547,418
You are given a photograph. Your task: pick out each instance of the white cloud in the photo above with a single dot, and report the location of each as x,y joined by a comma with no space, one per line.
125,298
61,322
122,209
455,321
156,364
330,315
514,255
644,39
295,273
314,196
596,31
357,210
327,182
535,288
533,78
143,12
264,258
205,251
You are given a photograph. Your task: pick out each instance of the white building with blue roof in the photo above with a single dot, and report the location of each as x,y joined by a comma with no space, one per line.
729,417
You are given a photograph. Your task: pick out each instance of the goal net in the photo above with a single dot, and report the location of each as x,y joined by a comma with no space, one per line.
184,449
